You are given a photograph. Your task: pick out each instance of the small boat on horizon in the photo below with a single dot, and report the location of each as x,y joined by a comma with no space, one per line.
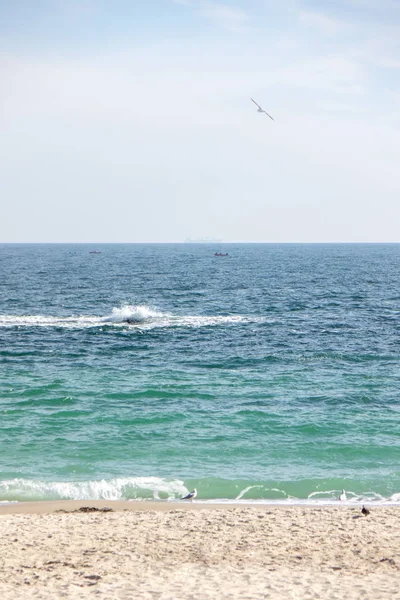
221,254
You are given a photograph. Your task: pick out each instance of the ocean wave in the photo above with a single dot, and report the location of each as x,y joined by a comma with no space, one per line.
19,321
125,488
140,316
156,488
133,314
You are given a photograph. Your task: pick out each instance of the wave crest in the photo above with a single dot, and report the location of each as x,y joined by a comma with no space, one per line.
132,314
148,318
128,488
158,488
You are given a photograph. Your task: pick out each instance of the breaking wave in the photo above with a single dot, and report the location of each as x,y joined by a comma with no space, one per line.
132,314
128,488
156,488
141,316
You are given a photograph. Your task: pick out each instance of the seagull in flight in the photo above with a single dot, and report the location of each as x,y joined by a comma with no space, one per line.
191,496
261,110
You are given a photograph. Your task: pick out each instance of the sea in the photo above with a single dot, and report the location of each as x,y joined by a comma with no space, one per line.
143,371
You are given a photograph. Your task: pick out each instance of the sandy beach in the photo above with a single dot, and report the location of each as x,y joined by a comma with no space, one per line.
173,551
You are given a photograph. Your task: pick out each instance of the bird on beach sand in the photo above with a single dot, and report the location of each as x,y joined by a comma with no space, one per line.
261,110
365,511
191,496
342,496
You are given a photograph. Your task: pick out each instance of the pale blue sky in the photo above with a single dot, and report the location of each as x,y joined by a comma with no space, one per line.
131,121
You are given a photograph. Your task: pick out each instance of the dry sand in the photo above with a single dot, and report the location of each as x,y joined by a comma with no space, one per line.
167,551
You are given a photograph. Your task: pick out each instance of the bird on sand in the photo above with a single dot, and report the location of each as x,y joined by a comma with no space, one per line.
191,496
261,110
365,511
342,496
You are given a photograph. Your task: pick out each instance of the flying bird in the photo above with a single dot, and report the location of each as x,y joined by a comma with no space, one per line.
261,110
191,496
342,496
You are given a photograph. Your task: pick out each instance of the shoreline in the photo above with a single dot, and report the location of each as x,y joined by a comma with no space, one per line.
52,506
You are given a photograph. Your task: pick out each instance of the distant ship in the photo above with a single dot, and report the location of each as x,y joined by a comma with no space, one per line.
206,240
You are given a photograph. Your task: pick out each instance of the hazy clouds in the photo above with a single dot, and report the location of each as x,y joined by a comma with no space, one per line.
152,136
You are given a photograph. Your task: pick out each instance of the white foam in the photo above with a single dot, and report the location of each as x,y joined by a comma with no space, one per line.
145,317
291,501
351,497
244,492
112,489
135,314
156,488
79,322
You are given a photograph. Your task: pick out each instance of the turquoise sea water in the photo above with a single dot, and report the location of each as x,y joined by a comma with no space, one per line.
270,374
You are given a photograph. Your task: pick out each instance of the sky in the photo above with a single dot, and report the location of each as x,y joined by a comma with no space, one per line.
131,120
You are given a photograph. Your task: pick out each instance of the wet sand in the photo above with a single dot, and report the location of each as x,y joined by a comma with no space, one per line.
168,551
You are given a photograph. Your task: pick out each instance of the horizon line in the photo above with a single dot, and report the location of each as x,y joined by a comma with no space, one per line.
205,243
